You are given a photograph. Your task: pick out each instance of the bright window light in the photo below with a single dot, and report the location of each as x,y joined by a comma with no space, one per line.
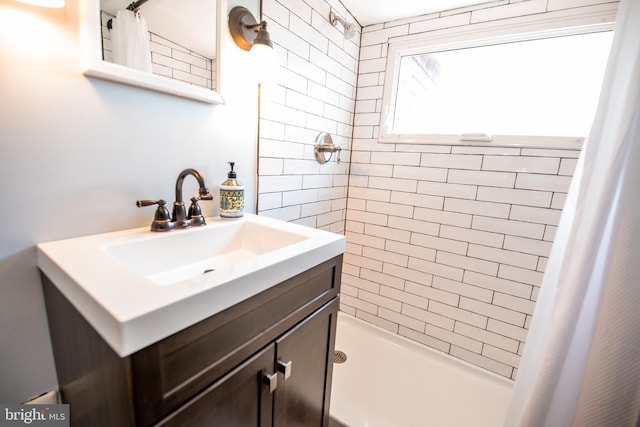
543,87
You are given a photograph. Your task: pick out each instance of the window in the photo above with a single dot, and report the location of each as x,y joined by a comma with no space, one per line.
523,90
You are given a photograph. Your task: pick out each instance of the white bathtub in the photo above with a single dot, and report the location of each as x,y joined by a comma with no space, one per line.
390,381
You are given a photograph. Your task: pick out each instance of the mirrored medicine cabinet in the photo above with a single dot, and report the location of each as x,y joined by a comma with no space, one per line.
185,46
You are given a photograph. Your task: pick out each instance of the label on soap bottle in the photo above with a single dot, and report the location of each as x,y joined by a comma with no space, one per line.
231,202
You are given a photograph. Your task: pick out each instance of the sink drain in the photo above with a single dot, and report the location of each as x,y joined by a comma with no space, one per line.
209,270
339,357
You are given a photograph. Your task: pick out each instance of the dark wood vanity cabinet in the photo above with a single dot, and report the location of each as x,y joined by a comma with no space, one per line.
266,361
244,397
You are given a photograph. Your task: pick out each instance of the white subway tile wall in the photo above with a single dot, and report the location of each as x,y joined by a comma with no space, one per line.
169,59
446,245
316,93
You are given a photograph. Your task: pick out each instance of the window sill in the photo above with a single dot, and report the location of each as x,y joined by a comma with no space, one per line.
553,142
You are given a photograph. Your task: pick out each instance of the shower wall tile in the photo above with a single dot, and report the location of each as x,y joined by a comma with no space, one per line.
440,22
518,259
428,317
497,210
458,236
557,202
521,8
539,152
424,339
488,337
382,35
514,228
507,357
531,246
548,165
423,200
543,182
515,196
452,161
492,283
520,275
490,179
472,236
506,330
458,315
568,166
447,189
535,214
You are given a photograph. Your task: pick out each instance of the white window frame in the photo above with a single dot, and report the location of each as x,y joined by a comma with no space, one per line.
552,24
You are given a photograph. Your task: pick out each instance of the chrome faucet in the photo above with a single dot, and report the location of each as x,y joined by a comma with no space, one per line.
179,218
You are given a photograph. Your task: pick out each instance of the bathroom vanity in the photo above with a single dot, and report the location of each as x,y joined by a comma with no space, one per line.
263,359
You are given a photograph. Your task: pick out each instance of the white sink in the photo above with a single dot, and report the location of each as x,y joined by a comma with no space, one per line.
136,287
188,255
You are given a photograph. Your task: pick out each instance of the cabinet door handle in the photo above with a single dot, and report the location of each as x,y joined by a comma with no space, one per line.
284,368
271,381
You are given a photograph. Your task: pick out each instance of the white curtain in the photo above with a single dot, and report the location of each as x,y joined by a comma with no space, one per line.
581,364
130,41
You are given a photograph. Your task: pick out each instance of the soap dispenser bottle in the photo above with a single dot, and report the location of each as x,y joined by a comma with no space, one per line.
231,196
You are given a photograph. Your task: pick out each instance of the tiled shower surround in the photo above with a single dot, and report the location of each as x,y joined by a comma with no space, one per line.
446,244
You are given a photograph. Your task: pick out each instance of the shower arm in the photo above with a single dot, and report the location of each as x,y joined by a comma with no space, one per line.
349,29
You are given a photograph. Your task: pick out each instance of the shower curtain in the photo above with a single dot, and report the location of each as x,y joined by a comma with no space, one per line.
130,41
581,363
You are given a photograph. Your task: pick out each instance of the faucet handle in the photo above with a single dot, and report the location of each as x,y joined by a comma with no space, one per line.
161,219
142,203
195,213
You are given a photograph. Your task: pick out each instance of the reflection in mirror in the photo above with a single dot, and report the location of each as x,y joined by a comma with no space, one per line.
180,68
180,37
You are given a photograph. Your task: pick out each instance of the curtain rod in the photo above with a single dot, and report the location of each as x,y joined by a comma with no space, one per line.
134,6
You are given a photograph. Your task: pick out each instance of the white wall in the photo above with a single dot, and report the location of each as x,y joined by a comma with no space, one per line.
75,155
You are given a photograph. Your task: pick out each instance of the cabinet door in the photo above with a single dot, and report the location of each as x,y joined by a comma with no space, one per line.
241,398
304,388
